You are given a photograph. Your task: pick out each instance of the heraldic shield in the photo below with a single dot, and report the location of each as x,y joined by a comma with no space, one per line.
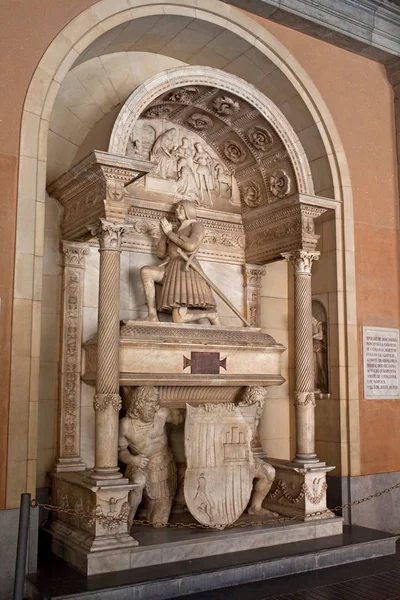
220,462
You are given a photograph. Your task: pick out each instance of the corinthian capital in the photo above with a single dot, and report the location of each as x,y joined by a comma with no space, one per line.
109,234
74,254
301,260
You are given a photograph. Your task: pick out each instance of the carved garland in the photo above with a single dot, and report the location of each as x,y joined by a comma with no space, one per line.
103,401
314,497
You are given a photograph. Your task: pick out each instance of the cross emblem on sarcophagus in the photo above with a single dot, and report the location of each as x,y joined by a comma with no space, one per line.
204,363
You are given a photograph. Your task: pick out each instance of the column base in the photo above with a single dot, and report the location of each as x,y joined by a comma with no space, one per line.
299,490
66,465
105,476
90,541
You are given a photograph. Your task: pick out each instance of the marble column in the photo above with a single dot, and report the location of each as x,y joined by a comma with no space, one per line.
70,364
304,399
107,401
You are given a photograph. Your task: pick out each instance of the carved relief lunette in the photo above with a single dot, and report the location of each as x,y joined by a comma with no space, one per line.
71,334
252,288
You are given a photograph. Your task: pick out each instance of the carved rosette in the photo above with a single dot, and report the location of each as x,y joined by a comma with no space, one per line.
251,194
160,111
200,121
234,152
252,287
226,106
69,447
280,184
260,138
103,401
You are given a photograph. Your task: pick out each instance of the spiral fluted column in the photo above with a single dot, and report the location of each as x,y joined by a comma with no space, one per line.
107,401
304,399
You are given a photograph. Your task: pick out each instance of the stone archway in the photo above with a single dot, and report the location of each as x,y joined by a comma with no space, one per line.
65,50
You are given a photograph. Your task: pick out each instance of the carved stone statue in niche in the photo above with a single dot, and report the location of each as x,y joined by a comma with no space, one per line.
184,290
264,472
143,447
320,348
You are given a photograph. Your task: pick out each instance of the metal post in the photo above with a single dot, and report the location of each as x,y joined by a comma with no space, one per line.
22,546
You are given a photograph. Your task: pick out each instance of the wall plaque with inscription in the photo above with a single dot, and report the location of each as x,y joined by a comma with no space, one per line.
381,349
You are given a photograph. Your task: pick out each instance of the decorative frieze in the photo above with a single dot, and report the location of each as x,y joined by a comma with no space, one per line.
281,227
95,188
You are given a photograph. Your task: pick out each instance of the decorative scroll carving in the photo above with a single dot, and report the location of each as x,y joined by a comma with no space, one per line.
260,138
199,121
252,287
225,239
103,401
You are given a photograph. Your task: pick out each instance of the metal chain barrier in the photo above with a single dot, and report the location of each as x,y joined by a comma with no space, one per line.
90,517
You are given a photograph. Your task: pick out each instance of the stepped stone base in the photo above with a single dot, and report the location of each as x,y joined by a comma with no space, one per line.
172,580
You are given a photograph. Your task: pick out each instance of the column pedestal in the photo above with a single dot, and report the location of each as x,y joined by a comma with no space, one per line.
93,543
299,491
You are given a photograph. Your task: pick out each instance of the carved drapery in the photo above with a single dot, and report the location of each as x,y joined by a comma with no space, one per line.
107,400
304,399
70,371
252,289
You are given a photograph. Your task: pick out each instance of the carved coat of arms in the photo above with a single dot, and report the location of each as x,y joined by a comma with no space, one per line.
220,463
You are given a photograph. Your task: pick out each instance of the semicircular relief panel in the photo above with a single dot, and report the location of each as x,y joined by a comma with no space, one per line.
210,147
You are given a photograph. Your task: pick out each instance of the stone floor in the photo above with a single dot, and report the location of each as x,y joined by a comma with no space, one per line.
374,579
265,566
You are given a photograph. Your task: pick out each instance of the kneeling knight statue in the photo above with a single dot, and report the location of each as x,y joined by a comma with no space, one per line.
185,287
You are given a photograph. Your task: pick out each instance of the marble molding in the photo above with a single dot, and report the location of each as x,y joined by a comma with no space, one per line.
252,357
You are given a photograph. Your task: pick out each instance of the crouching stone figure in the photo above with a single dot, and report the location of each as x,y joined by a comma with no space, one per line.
264,472
143,447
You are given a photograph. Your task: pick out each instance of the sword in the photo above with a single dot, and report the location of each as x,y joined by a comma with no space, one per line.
212,285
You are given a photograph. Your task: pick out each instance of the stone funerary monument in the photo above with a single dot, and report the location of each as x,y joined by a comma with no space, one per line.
204,183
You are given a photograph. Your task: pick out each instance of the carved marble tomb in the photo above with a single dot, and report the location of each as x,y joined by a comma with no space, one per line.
202,164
